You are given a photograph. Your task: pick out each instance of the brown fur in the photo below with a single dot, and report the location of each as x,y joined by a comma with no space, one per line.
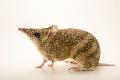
62,44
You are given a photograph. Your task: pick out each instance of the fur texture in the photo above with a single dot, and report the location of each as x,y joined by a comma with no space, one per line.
55,44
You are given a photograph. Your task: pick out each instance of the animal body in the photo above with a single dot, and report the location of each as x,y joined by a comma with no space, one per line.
60,44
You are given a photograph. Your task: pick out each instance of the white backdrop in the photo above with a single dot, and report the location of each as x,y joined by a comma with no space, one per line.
100,17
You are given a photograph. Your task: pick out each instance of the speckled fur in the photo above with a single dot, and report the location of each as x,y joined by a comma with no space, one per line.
62,44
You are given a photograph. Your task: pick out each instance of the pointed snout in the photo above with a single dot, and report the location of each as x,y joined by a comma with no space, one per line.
22,29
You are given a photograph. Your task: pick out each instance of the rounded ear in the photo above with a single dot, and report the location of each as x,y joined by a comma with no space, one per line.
52,29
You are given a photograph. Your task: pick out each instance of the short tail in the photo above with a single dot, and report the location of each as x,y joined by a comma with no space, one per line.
104,64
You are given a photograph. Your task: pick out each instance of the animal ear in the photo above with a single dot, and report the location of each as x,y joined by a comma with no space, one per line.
52,30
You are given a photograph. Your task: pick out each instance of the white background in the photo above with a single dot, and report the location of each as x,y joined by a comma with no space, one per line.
18,56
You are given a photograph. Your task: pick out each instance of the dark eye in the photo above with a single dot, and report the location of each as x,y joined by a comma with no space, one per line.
36,34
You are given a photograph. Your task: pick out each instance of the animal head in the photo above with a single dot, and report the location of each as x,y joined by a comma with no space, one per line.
38,35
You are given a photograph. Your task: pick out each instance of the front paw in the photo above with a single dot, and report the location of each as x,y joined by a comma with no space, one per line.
40,66
51,64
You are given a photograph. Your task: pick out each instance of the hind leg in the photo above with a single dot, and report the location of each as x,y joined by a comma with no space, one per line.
84,63
82,68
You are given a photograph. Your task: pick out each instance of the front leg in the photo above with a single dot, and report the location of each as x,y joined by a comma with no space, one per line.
52,63
42,64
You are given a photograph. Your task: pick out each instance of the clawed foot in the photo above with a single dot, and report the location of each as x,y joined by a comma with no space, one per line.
75,68
43,63
39,66
80,69
51,65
